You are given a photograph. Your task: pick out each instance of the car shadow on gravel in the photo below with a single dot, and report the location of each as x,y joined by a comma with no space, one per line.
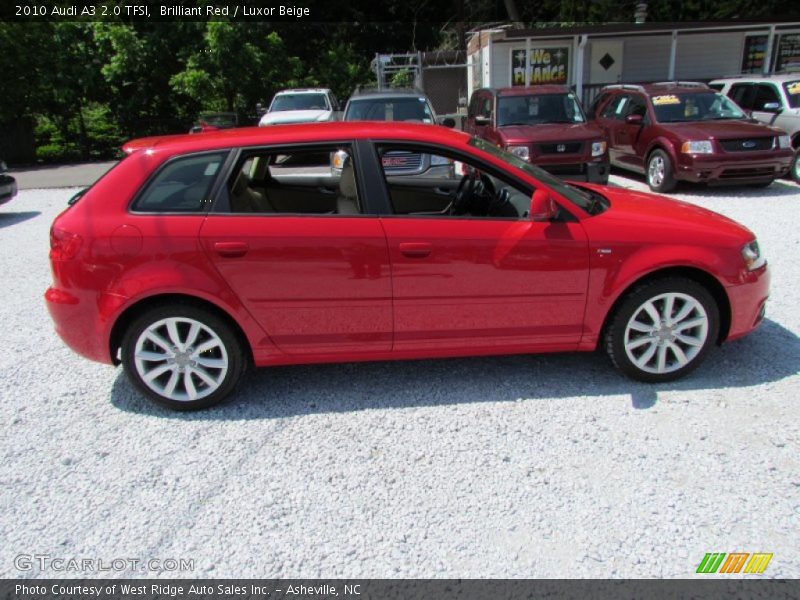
770,354
778,188
7,219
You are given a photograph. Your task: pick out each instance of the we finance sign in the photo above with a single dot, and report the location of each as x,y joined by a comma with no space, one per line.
545,65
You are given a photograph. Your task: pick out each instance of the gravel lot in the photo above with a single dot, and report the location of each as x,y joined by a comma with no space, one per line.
524,466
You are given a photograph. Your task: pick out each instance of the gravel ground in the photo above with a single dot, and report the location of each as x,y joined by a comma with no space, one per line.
524,466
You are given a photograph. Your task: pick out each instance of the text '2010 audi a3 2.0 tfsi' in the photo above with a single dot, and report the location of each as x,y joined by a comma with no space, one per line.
198,256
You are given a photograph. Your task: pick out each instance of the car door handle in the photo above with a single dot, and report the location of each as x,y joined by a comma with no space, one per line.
415,249
231,249
442,191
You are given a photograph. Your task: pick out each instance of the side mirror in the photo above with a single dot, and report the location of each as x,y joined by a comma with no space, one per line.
448,122
772,107
481,120
634,119
543,207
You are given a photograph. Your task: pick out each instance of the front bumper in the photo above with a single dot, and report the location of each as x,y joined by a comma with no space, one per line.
748,302
717,169
592,172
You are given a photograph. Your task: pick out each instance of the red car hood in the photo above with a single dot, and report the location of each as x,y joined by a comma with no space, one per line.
721,130
549,132
643,212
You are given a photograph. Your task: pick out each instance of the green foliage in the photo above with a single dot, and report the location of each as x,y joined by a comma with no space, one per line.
404,78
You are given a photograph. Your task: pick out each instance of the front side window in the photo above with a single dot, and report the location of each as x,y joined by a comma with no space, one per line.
700,106
303,101
766,94
182,185
589,201
538,108
615,108
389,109
294,181
469,191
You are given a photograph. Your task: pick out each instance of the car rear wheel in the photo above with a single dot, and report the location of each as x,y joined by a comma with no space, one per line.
660,177
795,169
663,330
182,357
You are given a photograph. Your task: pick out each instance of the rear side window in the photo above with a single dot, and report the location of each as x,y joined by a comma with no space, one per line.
740,93
182,185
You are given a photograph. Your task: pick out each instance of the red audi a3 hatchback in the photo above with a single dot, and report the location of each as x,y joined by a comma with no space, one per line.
199,256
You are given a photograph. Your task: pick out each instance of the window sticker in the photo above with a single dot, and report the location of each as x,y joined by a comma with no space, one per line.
794,87
661,100
211,169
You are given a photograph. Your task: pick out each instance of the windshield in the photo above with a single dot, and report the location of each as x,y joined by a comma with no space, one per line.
583,199
299,102
389,109
703,106
539,108
793,93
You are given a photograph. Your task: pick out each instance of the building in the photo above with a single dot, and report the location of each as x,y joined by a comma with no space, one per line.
591,56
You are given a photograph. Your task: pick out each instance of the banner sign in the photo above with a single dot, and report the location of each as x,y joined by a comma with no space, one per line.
547,65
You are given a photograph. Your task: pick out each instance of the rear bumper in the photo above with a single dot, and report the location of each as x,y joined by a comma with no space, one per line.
748,302
80,324
719,170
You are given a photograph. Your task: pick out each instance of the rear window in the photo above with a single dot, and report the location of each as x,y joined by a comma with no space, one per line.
182,185
389,109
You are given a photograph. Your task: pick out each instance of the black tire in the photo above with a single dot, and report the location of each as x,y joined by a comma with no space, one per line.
228,348
660,180
794,170
632,304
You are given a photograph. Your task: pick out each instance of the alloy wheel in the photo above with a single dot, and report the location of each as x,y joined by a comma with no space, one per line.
655,170
666,332
180,359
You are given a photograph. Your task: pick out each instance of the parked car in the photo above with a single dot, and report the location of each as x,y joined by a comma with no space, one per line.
773,99
8,185
686,131
543,124
408,105
212,121
301,106
198,257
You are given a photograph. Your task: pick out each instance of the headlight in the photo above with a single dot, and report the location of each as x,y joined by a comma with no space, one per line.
703,147
324,117
751,254
598,148
439,160
784,141
338,160
520,152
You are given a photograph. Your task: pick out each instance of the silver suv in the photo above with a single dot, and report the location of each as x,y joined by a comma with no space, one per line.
771,99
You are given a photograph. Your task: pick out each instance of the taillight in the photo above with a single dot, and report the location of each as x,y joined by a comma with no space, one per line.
64,245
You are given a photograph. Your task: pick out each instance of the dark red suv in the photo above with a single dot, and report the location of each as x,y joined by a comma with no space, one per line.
544,125
685,131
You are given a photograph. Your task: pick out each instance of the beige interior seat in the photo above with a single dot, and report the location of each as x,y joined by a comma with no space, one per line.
244,199
347,202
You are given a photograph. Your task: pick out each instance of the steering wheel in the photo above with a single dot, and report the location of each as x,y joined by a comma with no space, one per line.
463,198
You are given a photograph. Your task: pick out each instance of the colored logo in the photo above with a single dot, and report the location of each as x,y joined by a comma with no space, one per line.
735,562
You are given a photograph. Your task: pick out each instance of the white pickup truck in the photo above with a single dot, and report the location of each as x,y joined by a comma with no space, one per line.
305,105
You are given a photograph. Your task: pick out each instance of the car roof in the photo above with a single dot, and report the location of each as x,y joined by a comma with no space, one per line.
387,94
299,133
791,76
548,88
304,91
662,88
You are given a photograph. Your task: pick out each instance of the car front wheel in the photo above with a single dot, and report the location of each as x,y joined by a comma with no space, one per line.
795,170
663,330
660,177
182,357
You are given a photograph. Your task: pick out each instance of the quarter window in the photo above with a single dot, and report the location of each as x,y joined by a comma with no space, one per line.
182,185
